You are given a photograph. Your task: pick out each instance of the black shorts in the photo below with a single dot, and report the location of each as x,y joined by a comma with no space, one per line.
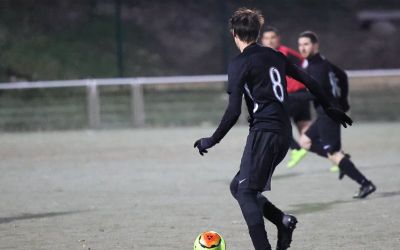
262,153
326,132
299,110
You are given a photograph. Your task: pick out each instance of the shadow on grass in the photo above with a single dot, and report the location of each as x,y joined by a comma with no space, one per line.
307,208
28,216
388,194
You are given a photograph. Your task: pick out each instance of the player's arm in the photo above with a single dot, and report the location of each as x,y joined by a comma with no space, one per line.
344,86
310,82
294,57
301,96
236,77
315,89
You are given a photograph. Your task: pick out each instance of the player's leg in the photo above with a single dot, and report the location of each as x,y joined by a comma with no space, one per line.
263,151
253,216
294,145
269,159
348,168
303,125
305,141
330,132
292,110
249,204
297,153
247,197
234,185
311,140
300,114
270,211
284,222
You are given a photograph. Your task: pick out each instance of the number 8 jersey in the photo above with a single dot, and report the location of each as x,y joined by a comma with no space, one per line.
259,72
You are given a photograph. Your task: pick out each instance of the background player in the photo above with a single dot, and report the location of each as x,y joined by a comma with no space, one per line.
323,136
259,72
299,110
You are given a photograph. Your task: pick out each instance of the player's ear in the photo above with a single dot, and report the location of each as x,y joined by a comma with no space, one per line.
233,33
316,47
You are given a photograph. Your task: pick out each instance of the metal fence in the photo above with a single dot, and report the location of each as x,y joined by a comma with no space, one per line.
359,79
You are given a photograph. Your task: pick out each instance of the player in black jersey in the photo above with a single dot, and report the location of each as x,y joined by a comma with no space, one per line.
259,73
323,136
299,110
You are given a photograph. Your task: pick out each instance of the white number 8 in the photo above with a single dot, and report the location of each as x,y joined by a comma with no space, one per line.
276,83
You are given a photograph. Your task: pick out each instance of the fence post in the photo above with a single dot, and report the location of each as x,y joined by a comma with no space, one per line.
137,105
93,104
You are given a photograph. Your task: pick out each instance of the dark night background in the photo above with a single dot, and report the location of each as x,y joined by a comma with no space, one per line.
61,39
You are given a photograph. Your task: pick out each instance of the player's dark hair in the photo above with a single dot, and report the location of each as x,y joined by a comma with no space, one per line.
311,35
271,29
246,24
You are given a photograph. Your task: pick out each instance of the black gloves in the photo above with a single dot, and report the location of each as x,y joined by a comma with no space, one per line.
204,143
339,116
345,105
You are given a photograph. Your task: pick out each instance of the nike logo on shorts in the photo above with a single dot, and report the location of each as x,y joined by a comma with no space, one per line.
242,180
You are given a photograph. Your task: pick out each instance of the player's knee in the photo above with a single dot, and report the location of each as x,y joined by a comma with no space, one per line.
335,157
262,200
251,211
303,126
246,196
305,142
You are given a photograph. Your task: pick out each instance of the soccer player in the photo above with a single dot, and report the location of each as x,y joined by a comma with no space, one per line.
324,137
259,73
299,110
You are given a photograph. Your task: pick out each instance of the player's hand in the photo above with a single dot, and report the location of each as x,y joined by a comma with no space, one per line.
203,144
345,106
339,116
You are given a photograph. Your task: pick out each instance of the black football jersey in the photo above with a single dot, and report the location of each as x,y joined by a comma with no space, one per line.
259,73
262,77
332,80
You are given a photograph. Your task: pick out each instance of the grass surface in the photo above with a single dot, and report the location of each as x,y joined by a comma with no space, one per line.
149,189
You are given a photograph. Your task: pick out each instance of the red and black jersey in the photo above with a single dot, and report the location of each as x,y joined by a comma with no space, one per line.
295,58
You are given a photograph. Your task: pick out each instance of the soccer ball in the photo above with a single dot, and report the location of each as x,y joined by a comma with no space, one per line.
209,240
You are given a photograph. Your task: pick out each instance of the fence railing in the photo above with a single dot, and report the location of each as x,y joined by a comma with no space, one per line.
137,83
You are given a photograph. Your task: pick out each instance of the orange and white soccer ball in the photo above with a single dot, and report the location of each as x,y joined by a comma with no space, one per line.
209,240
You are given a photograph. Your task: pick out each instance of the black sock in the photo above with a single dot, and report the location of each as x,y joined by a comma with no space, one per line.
270,212
259,237
317,148
351,171
294,144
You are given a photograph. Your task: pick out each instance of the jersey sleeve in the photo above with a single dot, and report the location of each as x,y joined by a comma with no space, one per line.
301,96
237,72
294,57
311,83
343,84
